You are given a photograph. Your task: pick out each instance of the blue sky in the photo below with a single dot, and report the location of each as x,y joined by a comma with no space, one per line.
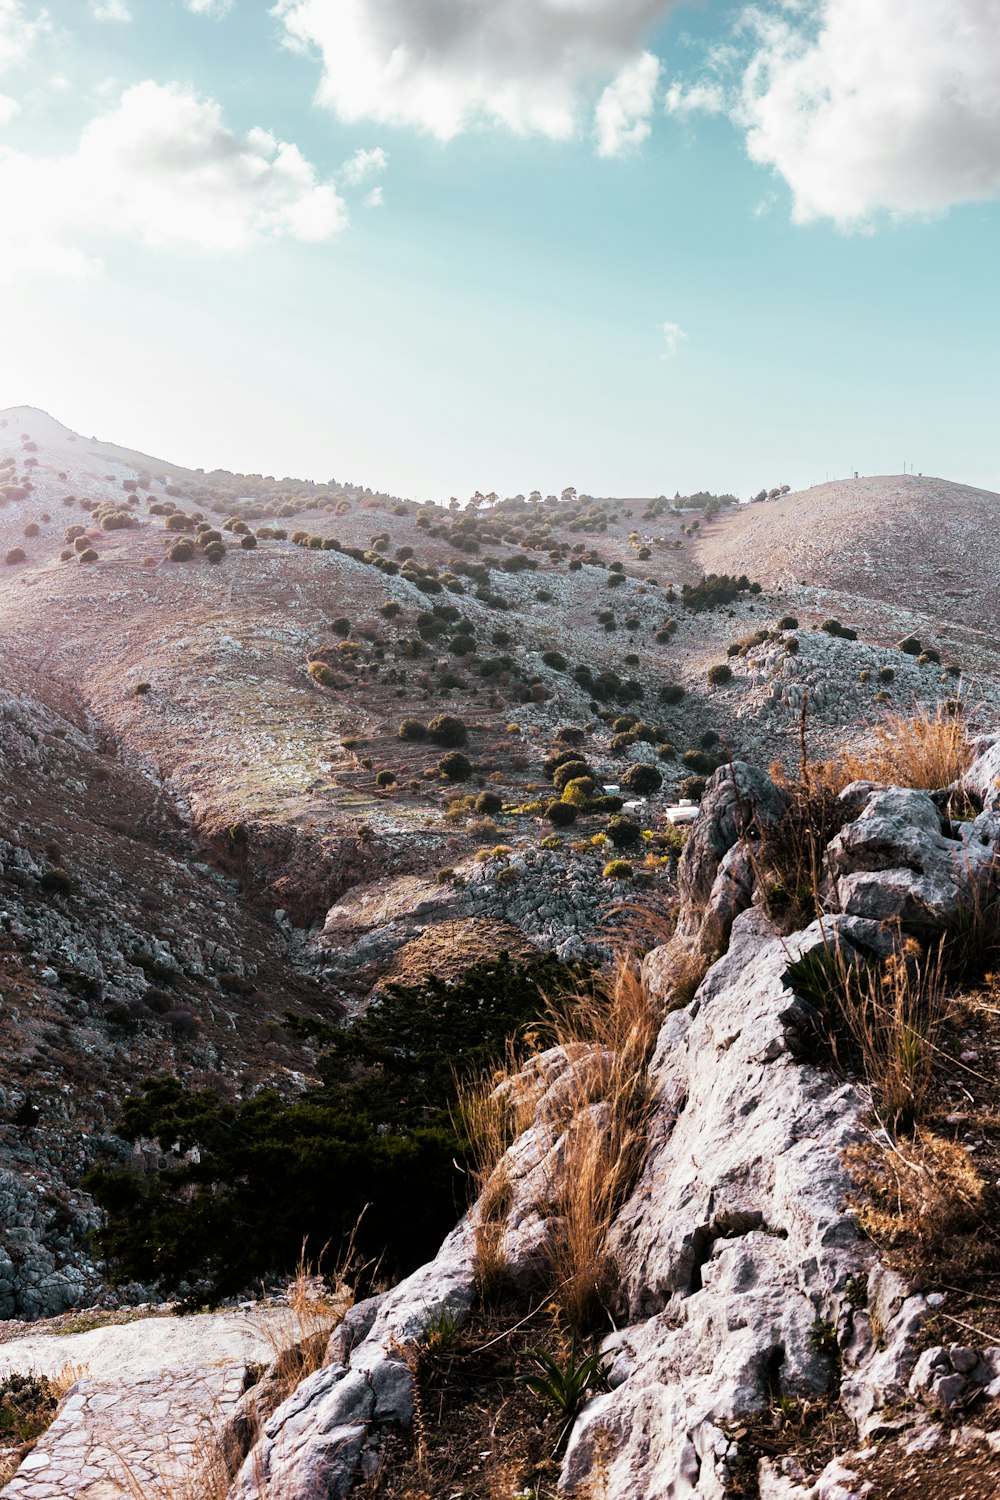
630,245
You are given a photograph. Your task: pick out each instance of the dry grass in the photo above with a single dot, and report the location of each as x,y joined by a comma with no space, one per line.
894,1013
28,1407
920,1192
882,1021
606,1031
314,1306
923,749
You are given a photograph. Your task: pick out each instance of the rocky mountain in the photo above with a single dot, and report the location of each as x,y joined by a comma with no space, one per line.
269,745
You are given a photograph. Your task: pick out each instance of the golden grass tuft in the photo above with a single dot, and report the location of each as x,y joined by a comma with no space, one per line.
923,749
606,1030
894,1012
920,1192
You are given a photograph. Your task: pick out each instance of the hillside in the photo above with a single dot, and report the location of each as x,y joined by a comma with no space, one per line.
219,739
922,545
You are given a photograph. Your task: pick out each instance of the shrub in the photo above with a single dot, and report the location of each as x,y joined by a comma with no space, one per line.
87,556
568,734
834,627
56,881
341,627
642,778
488,803
446,729
788,622
16,555
568,771
719,675
671,692
321,673
412,729
618,869
181,551
32,529
693,788
555,660
248,542
698,761
910,645
560,814
385,778
455,766
623,832
579,791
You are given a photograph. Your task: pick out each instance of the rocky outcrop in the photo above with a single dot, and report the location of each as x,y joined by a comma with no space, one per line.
743,1275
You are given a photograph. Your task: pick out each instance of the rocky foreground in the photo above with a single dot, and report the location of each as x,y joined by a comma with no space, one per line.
744,1278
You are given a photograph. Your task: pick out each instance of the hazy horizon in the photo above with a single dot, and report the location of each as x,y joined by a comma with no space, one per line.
634,248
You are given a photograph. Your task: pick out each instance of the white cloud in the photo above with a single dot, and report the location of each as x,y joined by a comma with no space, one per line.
162,168
213,8
364,164
867,106
673,336
18,32
110,10
8,109
704,97
622,116
449,65
375,198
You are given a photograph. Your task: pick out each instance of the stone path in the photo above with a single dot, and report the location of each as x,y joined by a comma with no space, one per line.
145,1410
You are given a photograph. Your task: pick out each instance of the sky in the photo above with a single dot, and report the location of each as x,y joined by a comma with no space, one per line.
439,246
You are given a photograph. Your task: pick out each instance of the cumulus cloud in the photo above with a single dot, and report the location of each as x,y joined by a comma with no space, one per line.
110,10
375,198
622,116
162,168
673,336
8,109
866,106
363,164
447,65
214,8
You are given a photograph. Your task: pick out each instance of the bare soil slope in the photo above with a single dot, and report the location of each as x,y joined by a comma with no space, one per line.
911,541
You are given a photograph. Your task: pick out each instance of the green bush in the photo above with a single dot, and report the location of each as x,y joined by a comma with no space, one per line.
671,692
568,734
910,645
788,622
719,675
886,674
560,814
446,729
693,788
569,771
412,729
642,778
341,626
455,766
579,791
623,832
555,660
379,1129
488,803
618,869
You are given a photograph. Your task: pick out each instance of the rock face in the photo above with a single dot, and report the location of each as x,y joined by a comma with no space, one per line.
741,1272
